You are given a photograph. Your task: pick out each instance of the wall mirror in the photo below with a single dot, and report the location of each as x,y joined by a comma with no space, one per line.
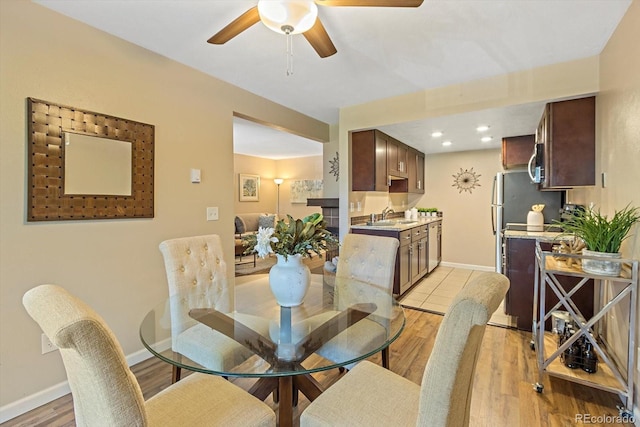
96,166
87,165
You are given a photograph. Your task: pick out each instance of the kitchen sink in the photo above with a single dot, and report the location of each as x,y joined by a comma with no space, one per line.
391,222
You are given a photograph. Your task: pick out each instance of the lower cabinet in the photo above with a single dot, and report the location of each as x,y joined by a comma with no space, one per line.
414,259
520,269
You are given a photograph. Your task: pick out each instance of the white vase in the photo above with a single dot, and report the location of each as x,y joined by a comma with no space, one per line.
602,267
289,280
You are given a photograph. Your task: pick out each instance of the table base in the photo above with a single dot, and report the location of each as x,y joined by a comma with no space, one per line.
287,389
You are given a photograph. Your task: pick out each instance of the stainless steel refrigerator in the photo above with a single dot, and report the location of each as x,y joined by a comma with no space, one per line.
512,197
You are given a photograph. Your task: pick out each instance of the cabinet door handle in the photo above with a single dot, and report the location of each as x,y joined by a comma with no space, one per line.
388,180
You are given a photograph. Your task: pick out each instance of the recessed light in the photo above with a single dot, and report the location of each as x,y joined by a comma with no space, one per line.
436,134
486,139
482,128
446,143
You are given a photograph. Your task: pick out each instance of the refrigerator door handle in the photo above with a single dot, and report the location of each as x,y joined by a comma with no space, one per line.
493,206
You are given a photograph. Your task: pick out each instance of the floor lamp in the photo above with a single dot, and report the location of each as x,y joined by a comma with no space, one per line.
278,181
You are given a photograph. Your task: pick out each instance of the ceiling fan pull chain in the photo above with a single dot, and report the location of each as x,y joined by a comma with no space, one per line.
289,54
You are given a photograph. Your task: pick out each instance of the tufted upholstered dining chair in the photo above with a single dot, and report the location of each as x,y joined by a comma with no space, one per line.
444,398
105,391
195,266
372,260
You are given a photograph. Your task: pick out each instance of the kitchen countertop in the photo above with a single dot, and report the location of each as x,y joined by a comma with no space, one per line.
550,233
398,224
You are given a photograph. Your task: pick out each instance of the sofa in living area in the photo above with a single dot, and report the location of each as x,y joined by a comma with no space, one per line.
246,223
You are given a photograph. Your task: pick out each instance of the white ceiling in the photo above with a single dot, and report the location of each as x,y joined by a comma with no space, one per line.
382,52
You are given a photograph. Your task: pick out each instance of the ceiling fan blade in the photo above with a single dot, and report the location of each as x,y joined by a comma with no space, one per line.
371,3
319,39
240,24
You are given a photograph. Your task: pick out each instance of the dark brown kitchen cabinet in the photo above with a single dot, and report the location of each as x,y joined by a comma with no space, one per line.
421,246
369,161
520,269
567,132
517,150
397,158
415,163
415,171
414,257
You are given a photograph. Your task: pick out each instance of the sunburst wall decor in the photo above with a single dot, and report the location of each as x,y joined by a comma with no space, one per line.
466,180
335,166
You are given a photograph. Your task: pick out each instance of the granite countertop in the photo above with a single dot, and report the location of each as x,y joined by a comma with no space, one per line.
549,233
397,224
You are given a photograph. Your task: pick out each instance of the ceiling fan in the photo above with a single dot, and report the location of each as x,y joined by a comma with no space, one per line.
298,16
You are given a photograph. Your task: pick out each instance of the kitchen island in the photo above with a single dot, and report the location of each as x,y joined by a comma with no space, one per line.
519,267
420,247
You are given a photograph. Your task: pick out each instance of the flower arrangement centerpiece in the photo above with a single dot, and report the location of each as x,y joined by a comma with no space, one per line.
290,241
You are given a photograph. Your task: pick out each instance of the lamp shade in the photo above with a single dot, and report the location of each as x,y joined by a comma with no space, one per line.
278,181
288,16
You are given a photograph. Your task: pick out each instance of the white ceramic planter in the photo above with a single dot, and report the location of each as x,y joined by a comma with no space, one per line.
604,266
289,280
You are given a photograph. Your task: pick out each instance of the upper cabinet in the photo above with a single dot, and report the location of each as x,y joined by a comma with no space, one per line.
397,158
369,161
567,133
516,151
415,163
382,163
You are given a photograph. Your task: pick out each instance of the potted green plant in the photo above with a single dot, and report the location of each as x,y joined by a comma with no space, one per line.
290,241
602,237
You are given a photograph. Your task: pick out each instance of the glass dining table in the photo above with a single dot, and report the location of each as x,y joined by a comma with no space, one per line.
334,327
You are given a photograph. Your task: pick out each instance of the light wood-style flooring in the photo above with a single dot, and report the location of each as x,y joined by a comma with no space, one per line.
503,395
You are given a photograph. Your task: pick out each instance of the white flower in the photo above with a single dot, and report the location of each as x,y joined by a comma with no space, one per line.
264,239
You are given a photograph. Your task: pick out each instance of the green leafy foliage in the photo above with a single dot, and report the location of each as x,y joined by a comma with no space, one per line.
600,233
294,236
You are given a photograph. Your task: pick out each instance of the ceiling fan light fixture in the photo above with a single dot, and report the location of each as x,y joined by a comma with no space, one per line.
288,16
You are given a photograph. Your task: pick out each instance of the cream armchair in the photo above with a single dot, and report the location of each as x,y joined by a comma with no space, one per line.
196,270
106,393
370,395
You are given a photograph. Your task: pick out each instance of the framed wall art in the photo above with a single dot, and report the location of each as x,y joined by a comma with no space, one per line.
303,189
249,188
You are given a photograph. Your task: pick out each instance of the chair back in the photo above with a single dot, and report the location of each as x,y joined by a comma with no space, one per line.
369,259
105,391
448,377
197,271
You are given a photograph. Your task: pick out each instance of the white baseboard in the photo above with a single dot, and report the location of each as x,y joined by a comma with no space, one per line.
467,266
28,403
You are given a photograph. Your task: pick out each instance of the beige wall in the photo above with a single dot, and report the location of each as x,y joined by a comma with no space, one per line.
618,150
467,216
114,265
267,170
300,168
287,169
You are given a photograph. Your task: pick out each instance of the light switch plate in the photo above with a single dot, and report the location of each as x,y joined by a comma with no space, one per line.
212,214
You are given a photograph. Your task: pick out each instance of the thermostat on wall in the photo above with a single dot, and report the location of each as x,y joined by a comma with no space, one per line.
195,175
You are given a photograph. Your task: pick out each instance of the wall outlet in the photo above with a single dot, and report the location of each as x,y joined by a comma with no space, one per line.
47,346
212,214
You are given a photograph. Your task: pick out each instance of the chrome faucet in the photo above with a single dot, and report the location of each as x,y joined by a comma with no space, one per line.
386,211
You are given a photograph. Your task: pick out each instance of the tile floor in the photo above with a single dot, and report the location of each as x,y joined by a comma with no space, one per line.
436,291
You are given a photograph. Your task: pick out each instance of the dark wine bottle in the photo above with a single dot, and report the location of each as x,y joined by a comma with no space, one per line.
589,359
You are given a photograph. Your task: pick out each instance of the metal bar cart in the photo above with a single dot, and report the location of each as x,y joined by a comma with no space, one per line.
556,350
